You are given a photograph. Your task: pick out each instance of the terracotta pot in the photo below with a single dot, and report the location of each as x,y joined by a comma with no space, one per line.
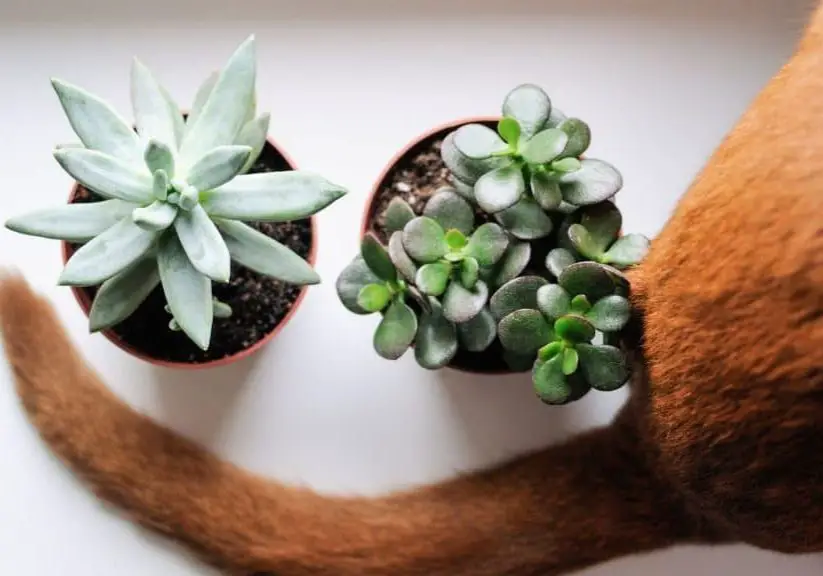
84,300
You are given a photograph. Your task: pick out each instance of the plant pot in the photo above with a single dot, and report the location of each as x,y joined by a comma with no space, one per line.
261,306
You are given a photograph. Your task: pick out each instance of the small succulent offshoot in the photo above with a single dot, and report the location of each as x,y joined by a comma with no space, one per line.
175,191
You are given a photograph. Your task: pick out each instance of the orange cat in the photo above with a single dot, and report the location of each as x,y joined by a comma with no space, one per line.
720,441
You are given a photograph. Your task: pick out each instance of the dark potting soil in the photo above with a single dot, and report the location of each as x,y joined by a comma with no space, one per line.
259,303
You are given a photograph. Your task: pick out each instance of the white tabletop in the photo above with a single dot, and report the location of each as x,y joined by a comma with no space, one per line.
659,81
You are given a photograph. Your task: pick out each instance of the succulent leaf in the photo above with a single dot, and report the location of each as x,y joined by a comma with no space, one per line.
509,130
401,260
160,185
553,301
556,118
72,222
200,98
377,258
106,175
526,220
397,214
544,146
487,244
583,242
396,331
553,387
566,165
119,296
158,157
461,305
477,141
271,196
217,166
499,189
524,331
253,134
265,255
558,259
588,278
518,294
570,361
604,367
627,250
177,117
579,137
424,239
155,217
351,280
478,333
530,106
595,182
512,263
374,297
220,309
581,305
603,222
546,191
551,350
187,291
203,244
469,272
433,278
456,241
436,342
154,119
450,210
610,314
463,189
466,169
573,328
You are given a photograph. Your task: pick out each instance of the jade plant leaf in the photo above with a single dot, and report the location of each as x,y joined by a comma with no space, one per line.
351,280
574,328
602,222
553,301
72,222
433,278
546,191
478,142
487,244
254,134
550,382
627,250
526,220
556,118
396,331
374,297
203,244
558,259
461,304
524,331
153,117
588,278
584,243
579,137
106,175
468,170
518,294
518,362
544,146
463,189
401,260
603,366
469,272
499,189
509,130
530,106
158,156
478,333
610,314
570,361
595,182
436,342
397,214
450,210
377,258
511,264
424,239
217,166
566,165
119,296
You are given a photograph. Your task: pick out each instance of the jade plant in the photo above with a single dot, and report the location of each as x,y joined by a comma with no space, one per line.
174,192
522,247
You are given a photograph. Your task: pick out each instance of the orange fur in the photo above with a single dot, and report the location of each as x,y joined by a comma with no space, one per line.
719,441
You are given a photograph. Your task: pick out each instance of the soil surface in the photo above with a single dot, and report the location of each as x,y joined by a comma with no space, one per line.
259,303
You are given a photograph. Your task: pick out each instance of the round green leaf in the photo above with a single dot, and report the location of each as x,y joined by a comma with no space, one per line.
401,260
604,367
499,189
396,331
509,129
627,250
397,214
544,146
432,278
456,240
580,304
584,243
351,280
466,169
550,383
513,262
530,106
570,361
553,301
424,239
477,141
555,118
461,305
546,190
377,258
518,294
373,297
436,341
526,220
603,222
610,314
450,210
478,333
463,189
558,259
579,137
574,328
469,272
594,182
588,278
488,244
551,350
524,331
566,165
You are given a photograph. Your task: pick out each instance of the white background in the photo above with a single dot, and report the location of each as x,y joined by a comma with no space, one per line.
348,84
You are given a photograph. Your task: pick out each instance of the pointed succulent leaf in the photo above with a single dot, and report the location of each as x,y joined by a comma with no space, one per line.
187,291
627,250
512,263
526,220
106,175
604,367
203,244
579,137
477,141
530,106
396,331
177,117
225,110
436,342
550,383
468,170
544,146
546,191
271,196
200,98
573,328
461,305
583,242
518,294
469,272
189,198
265,255
119,296
558,259
98,125
609,314
450,210
401,260
524,331
594,182
478,333
160,185
217,166
424,239
253,134
499,189
553,301
433,278
570,361
377,258
397,214
155,217
509,129
71,222
588,278
566,165
487,244
603,222
374,297
107,254
351,280
154,119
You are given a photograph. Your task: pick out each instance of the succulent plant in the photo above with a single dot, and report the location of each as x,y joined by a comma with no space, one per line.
175,191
